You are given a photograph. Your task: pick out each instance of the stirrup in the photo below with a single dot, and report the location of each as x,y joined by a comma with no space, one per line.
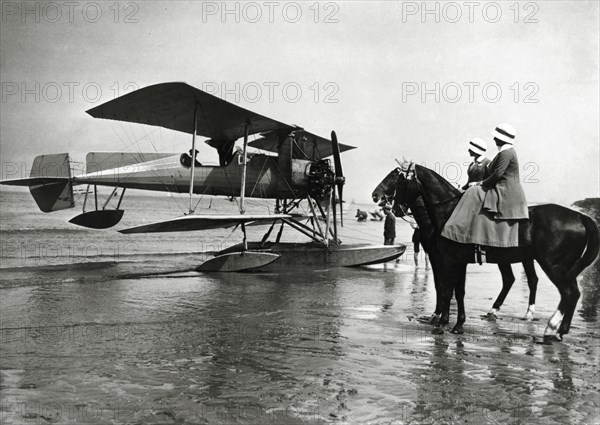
479,255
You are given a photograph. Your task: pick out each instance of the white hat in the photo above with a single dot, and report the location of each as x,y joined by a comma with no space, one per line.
505,133
478,146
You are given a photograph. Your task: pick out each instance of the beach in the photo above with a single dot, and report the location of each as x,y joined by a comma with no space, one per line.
99,327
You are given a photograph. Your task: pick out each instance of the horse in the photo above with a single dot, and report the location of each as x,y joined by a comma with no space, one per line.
508,278
563,242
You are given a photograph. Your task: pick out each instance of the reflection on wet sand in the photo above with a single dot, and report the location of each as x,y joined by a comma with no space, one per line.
590,293
333,346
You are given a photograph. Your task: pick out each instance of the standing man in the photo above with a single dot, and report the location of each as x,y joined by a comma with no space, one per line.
389,227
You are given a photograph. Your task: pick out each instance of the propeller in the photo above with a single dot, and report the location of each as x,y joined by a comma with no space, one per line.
339,174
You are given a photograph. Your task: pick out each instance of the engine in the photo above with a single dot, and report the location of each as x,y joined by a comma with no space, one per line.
320,179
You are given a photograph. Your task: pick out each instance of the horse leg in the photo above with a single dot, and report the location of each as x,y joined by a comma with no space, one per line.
459,294
560,321
446,289
508,278
532,282
435,317
573,296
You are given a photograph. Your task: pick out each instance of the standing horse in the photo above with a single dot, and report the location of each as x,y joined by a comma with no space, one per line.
563,242
386,189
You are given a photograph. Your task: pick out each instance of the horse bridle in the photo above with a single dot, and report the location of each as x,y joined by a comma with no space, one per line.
401,206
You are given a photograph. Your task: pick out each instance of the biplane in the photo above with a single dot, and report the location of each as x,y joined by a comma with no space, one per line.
291,166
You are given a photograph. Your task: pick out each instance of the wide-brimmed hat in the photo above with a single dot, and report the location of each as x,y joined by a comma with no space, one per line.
505,133
478,146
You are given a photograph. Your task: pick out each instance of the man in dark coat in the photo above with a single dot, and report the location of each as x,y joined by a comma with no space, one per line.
389,227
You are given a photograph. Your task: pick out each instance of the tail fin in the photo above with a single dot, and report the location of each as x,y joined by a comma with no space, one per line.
49,182
52,196
591,249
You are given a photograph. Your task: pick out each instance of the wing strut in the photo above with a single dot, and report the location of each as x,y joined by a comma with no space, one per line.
193,155
244,165
243,188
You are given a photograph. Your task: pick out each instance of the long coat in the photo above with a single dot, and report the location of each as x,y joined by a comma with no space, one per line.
504,195
477,171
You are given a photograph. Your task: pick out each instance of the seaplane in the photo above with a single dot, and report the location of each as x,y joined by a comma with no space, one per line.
290,166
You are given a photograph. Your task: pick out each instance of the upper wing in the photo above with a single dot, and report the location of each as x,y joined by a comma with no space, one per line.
171,105
308,145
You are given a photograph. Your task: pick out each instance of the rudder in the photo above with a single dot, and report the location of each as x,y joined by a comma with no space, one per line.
52,196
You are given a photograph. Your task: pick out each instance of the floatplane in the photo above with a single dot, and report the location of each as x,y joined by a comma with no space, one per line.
291,166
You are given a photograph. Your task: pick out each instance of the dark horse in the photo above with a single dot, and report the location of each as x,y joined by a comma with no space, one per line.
508,278
563,242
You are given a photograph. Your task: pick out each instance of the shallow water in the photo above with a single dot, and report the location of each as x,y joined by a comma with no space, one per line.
133,336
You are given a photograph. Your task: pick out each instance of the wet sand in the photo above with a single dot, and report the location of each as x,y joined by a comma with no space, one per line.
99,328
341,346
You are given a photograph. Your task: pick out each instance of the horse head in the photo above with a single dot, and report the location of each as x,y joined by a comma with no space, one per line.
399,188
385,190
407,187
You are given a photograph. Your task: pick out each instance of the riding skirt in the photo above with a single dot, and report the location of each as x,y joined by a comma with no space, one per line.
471,223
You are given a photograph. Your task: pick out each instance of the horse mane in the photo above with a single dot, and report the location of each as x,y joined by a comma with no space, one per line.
425,174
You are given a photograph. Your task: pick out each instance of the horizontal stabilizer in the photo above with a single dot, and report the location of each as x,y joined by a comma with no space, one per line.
99,161
34,181
204,222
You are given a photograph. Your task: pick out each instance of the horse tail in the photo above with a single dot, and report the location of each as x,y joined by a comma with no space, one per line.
591,249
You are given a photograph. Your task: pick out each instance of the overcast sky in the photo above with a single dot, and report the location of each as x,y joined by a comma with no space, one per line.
360,68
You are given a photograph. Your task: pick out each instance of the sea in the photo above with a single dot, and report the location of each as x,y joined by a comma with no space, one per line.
105,328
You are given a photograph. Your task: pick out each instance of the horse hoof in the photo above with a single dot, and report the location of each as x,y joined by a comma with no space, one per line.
434,320
528,317
549,339
491,317
438,330
458,330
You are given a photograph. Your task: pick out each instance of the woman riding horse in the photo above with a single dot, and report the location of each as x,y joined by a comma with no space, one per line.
478,169
488,213
477,172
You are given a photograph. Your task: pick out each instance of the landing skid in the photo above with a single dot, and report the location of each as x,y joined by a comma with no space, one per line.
300,256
